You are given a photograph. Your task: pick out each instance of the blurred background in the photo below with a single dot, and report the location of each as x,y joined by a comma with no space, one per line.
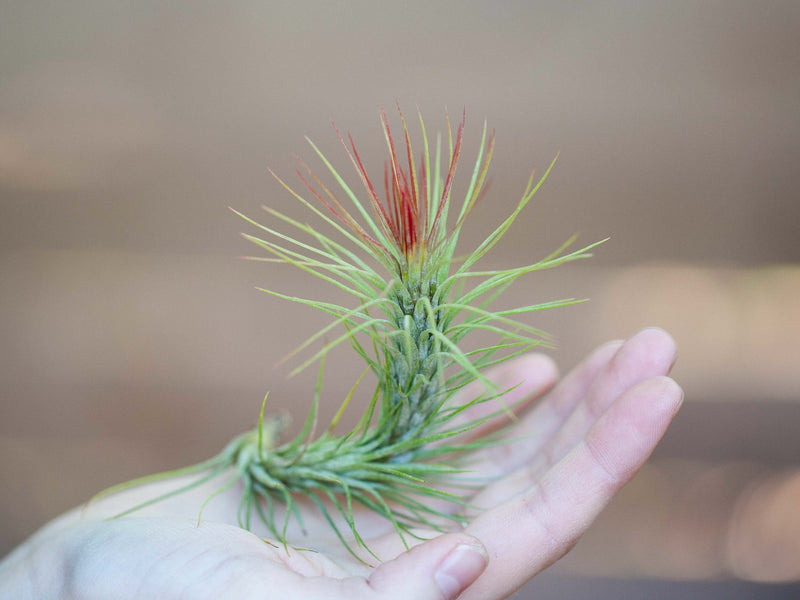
132,338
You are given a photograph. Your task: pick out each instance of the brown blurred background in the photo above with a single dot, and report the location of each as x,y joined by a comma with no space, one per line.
133,339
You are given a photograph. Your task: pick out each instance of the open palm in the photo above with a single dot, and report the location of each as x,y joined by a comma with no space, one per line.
566,457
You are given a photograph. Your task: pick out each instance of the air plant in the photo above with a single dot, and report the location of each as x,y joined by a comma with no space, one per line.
414,303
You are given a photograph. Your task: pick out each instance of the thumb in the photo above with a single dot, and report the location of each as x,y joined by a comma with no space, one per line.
439,569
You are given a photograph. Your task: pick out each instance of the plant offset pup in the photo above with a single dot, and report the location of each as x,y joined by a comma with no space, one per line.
411,313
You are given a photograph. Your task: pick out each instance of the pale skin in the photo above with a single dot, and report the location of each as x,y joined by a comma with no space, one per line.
579,441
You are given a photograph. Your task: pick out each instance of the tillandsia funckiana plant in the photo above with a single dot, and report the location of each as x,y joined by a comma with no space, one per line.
393,251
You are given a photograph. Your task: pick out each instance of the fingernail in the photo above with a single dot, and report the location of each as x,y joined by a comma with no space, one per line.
459,569
680,402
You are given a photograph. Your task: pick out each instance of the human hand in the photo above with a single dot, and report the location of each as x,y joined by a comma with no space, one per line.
568,456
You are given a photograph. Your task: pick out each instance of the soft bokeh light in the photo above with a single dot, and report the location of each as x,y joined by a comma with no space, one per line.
764,539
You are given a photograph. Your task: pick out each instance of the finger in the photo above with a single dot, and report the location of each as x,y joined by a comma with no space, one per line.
537,527
574,409
649,353
439,569
526,378
543,421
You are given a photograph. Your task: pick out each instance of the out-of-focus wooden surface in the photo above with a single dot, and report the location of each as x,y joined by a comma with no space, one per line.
131,338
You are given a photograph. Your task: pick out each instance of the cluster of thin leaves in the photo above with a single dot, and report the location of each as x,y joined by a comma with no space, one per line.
392,280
